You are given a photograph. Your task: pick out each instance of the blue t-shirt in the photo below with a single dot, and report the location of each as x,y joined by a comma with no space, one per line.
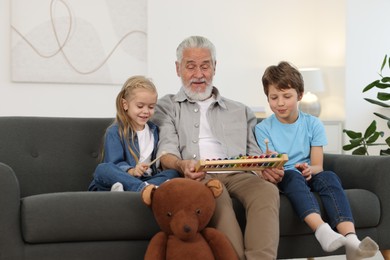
294,139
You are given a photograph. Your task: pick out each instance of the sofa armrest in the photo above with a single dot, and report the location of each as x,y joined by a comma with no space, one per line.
370,173
10,238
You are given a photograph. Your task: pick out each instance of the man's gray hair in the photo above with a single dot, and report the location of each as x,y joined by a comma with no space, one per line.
195,42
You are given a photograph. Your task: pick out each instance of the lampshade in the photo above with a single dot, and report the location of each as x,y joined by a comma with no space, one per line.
313,82
312,78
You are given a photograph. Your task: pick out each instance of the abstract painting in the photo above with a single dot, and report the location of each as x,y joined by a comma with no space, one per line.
78,41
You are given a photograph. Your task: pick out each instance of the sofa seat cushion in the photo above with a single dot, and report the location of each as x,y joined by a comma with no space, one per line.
364,217
290,225
86,216
104,216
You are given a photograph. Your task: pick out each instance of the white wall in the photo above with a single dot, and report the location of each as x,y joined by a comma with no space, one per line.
368,40
249,35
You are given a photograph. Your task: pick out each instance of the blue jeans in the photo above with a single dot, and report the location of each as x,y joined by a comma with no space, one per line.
106,174
328,186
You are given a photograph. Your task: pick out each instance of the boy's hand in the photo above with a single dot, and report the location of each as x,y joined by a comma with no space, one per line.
305,169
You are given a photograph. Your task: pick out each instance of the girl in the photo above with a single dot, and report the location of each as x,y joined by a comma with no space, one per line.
131,141
302,137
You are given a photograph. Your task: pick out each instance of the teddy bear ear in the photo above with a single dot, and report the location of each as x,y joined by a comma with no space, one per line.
215,186
147,194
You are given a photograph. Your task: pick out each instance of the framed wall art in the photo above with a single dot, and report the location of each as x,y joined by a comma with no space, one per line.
78,41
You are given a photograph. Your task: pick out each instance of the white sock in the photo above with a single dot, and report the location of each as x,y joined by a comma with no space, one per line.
328,238
147,183
356,249
117,186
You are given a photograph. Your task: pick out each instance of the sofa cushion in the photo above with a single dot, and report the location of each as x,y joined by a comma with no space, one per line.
86,216
90,216
51,154
291,225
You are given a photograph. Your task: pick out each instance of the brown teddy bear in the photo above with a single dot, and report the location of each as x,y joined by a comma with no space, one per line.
183,208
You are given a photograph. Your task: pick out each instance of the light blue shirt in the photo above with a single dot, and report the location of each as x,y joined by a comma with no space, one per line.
294,139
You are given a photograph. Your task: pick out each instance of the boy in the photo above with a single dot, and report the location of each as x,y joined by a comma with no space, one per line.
302,137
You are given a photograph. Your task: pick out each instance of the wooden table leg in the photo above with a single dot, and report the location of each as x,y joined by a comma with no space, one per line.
386,254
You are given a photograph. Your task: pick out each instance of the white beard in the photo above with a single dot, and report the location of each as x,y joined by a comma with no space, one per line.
198,96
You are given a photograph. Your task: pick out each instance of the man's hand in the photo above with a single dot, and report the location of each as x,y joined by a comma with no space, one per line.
273,175
187,167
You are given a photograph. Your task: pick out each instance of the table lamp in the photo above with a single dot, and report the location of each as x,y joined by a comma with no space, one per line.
313,83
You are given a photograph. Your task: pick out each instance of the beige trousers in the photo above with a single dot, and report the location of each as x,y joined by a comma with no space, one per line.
261,201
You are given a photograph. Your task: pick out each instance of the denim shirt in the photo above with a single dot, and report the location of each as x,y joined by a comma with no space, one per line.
116,150
231,122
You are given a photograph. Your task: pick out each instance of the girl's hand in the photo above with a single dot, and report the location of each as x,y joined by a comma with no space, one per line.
138,170
305,169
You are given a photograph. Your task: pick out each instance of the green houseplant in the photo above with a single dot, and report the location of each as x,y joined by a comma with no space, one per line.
360,142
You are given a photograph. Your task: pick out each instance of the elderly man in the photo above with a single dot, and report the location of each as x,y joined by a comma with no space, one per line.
198,123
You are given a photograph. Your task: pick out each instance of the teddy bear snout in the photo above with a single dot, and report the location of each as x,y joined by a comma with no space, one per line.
187,229
188,233
184,227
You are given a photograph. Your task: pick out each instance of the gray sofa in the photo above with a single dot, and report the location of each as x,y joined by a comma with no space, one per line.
46,165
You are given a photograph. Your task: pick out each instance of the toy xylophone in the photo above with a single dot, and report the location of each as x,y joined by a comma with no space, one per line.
243,163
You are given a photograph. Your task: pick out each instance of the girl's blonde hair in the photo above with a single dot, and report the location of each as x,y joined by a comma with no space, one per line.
126,126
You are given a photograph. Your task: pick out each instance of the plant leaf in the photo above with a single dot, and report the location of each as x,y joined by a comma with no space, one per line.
373,138
382,85
384,62
383,96
371,85
356,142
351,134
376,102
348,147
382,116
388,141
360,151
385,79
385,152
370,129
389,61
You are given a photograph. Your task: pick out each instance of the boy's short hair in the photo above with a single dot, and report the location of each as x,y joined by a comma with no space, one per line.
283,76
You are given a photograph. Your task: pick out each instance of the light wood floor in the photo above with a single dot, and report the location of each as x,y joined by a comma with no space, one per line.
341,257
